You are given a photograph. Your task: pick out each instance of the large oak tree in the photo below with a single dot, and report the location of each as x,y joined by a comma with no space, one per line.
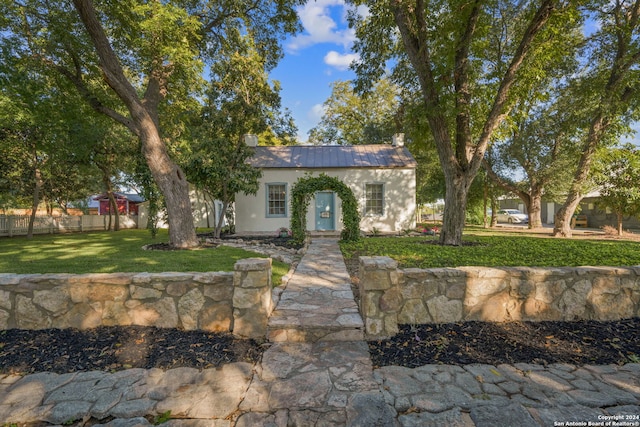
471,60
138,62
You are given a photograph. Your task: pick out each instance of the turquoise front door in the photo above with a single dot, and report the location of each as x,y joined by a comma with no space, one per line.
325,214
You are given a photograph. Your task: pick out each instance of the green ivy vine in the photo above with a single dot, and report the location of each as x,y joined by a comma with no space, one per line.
304,188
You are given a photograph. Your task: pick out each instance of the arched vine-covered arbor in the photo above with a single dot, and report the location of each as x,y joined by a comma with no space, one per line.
301,193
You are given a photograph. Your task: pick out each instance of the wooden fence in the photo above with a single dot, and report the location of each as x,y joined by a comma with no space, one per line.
18,225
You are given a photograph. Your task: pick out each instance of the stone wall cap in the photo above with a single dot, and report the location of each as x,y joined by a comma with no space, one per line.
378,263
10,279
252,264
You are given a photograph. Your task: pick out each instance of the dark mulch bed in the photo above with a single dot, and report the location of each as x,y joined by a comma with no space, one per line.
117,348
579,342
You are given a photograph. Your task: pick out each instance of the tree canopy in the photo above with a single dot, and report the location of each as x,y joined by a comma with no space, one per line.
470,61
141,64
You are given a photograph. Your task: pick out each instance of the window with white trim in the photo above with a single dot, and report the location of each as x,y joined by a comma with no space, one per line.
276,200
374,199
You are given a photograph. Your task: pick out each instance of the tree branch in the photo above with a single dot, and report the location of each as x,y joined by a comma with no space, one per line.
461,84
499,109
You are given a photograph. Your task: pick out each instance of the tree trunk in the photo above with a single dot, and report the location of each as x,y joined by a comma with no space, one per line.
455,206
562,227
145,124
220,222
35,203
534,207
619,218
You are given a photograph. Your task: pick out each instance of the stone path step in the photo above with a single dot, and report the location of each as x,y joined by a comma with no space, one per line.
317,303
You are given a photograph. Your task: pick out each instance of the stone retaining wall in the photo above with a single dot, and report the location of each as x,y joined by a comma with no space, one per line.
238,301
390,296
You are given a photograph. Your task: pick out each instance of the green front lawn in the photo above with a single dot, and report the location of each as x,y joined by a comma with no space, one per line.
109,252
496,249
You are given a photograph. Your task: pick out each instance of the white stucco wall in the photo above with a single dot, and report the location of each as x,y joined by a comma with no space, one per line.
399,199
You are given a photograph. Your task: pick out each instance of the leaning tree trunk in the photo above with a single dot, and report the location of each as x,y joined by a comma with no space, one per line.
172,183
144,122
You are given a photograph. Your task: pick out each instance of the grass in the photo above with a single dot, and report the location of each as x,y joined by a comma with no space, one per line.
494,248
109,252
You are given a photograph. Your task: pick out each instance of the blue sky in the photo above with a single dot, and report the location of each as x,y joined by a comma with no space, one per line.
313,59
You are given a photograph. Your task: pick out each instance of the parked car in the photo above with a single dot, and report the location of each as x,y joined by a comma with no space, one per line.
512,216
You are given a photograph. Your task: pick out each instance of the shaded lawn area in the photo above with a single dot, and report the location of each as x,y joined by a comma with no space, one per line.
110,252
497,249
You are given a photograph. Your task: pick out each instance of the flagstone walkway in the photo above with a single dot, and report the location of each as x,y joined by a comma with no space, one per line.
317,372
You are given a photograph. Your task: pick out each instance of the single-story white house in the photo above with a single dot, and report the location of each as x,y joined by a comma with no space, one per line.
382,178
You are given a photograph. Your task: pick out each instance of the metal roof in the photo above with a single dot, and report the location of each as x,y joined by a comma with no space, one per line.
332,156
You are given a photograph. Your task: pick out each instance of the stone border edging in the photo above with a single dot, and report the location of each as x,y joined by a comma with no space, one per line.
390,296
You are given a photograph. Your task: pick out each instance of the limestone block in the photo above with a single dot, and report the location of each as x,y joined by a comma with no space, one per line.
101,278
414,311
247,298
4,319
215,318
115,314
496,308
375,280
219,291
391,300
535,309
610,302
55,300
141,278
176,289
423,289
172,277
28,316
548,292
9,279
391,324
266,302
369,302
484,287
249,323
189,307
81,316
374,327
252,279
79,293
253,264
520,289
213,278
162,313
455,290
102,292
449,273
573,301
443,310
5,300
144,292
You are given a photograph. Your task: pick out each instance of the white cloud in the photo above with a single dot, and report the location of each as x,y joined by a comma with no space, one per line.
320,26
340,61
316,113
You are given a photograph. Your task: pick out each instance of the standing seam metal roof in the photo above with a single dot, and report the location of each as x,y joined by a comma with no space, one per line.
332,156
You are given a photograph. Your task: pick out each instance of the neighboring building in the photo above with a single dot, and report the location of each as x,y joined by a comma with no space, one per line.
597,216
382,178
205,211
127,203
